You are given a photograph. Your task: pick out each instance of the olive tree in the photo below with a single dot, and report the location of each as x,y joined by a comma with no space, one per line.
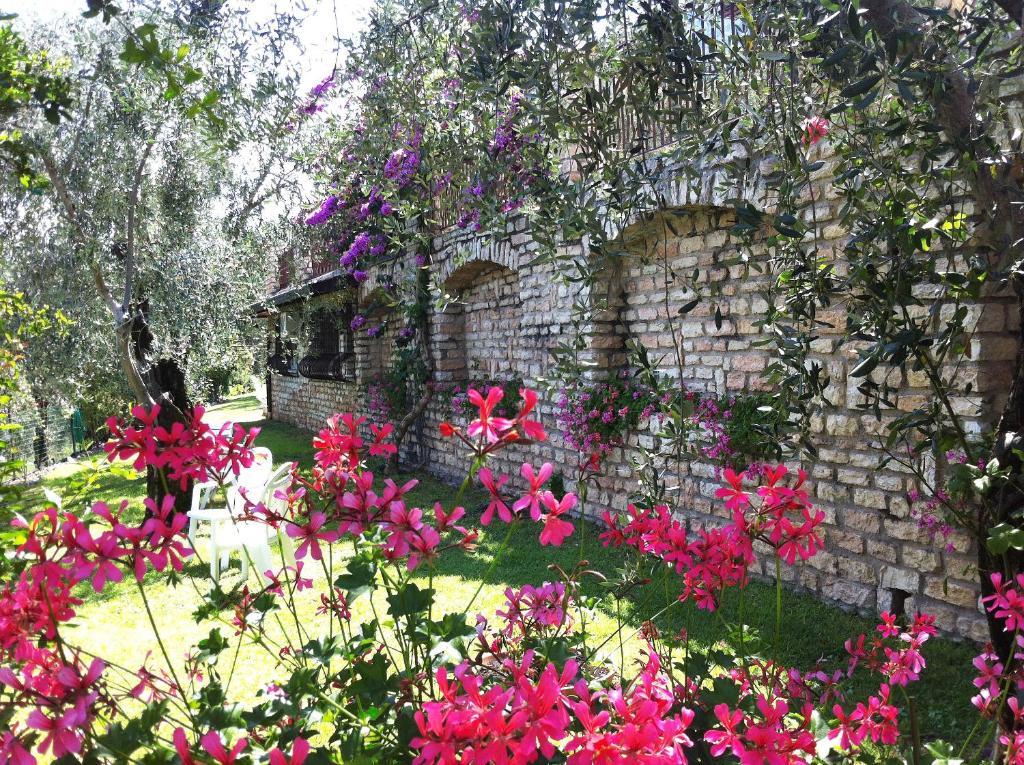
149,231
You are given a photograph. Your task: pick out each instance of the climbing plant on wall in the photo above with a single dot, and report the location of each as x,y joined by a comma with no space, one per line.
580,117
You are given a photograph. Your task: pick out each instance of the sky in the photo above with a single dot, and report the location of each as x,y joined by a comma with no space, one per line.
318,29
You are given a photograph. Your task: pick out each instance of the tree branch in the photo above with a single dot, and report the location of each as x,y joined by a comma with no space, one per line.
83,239
133,204
1014,9
122,327
996,193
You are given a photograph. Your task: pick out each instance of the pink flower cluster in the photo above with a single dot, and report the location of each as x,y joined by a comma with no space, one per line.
355,507
928,514
531,713
814,129
1000,679
487,432
213,747
719,558
771,734
536,610
543,505
188,452
61,689
596,418
895,653
377,403
339,446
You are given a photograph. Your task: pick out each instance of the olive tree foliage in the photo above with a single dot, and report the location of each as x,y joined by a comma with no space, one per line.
616,100
149,234
31,83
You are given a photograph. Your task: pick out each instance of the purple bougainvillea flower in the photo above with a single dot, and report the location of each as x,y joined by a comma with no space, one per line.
327,208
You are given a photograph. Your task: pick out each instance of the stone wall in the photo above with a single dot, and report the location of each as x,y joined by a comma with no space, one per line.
510,313
308,403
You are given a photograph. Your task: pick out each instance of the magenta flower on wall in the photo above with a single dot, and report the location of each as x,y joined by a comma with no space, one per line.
815,128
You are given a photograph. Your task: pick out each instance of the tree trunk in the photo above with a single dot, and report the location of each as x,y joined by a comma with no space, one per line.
165,383
994,186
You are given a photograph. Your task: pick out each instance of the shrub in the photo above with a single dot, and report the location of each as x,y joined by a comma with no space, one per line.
735,431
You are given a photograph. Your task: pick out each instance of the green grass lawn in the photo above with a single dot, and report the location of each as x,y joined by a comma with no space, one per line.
115,624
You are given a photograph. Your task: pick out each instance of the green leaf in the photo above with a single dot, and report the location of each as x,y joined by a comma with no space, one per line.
359,580
410,600
685,309
1002,537
861,86
865,367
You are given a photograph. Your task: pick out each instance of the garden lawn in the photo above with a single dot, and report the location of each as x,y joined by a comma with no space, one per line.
116,623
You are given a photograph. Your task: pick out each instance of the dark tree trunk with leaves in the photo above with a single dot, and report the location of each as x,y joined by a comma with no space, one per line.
165,379
1007,500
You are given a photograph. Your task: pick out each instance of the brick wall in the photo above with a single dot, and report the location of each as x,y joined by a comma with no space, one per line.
308,403
511,313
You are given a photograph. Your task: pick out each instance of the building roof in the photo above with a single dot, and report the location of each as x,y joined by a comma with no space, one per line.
332,281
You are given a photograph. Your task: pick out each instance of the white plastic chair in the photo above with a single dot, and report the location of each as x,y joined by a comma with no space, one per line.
202,493
254,486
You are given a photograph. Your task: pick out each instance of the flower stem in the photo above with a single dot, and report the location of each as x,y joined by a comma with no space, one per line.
485,579
163,648
778,607
622,650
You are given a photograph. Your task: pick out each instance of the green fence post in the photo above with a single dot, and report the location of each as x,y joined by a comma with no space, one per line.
77,431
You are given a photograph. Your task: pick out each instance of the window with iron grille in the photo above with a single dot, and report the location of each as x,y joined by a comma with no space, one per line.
331,353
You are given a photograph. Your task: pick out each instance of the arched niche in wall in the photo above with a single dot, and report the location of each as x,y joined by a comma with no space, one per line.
649,289
478,336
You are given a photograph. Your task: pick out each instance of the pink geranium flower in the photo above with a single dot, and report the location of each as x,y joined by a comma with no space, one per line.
733,494
497,502
556,529
311,535
815,128
532,429
486,426
300,751
214,747
532,498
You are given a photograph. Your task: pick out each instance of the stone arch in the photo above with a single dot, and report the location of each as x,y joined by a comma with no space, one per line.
478,335
457,250
647,285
